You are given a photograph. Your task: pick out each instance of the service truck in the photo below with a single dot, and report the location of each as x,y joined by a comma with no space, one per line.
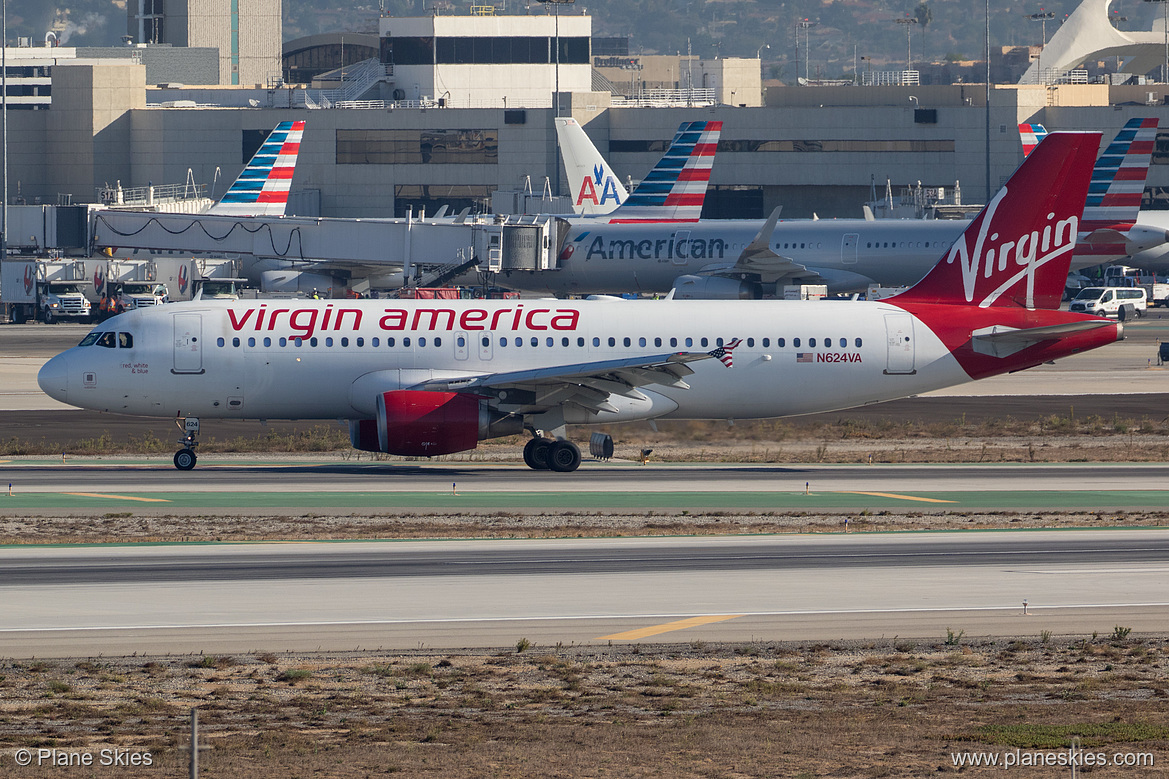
48,290
1156,287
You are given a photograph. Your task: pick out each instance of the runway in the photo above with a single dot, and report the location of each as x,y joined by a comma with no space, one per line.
302,484
341,596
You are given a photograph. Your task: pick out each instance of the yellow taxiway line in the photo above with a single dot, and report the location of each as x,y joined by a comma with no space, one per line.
115,497
654,630
895,496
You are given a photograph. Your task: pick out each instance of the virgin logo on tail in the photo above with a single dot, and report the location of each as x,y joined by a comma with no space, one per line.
1018,250
1024,254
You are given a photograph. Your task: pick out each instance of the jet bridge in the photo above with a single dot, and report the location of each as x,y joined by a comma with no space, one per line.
495,243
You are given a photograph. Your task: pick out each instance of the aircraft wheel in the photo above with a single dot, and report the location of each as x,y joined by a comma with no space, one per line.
185,459
536,454
564,457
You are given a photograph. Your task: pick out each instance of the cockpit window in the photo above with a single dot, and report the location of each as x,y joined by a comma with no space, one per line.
89,339
125,341
107,340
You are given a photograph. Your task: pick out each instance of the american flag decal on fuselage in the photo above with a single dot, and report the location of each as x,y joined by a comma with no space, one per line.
725,354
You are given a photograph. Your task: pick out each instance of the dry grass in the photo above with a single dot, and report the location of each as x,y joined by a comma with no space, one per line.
692,710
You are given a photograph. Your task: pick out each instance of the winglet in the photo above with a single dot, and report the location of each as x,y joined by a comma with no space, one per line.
1017,251
262,188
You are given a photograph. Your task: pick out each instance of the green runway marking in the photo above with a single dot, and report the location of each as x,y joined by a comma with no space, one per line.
588,501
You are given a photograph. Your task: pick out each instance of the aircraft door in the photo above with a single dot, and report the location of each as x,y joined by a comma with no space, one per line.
485,349
460,346
848,248
188,332
899,338
681,253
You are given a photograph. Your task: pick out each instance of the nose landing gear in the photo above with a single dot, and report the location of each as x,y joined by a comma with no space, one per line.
185,458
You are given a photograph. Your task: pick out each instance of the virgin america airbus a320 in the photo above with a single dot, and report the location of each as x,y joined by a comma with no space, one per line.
417,377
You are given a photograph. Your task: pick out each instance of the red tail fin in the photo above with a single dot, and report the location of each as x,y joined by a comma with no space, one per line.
1016,252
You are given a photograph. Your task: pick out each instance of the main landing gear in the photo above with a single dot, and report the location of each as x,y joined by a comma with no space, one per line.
185,458
542,454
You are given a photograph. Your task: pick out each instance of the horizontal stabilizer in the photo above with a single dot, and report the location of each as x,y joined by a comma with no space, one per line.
1003,341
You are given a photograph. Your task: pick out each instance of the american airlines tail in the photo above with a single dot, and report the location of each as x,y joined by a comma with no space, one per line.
1031,134
595,189
676,188
1118,181
262,188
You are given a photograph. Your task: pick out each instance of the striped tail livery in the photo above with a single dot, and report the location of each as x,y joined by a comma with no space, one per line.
262,188
675,189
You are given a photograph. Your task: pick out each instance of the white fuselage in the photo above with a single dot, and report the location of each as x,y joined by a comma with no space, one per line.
850,254
211,359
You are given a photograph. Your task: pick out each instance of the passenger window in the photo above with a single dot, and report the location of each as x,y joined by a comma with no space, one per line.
503,342
284,342
252,341
641,341
535,341
858,343
843,343
390,343
361,342
375,342
766,342
750,342
405,343
673,342
612,341
486,341
126,341
421,342
298,341
460,342
564,341
519,341
311,342
812,343
596,341
718,342
235,342
626,341
780,342
657,342
344,341
550,341
267,341
218,341
705,342
796,343
689,341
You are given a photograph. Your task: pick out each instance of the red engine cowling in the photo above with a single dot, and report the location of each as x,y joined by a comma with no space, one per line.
418,423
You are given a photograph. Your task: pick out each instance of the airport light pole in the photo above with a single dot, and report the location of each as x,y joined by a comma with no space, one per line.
4,123
556,5
758,52
1042,18
805,25
1165,26
908,23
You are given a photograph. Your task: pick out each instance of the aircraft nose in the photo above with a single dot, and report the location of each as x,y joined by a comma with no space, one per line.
54,378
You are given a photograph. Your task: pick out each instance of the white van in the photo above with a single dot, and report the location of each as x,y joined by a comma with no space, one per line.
1107,301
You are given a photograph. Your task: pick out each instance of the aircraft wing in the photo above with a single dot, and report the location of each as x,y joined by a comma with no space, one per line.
1002,341
758,259
587,384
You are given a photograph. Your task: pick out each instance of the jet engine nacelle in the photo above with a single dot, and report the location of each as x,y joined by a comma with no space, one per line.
290,281
420,423
1142,238
715,288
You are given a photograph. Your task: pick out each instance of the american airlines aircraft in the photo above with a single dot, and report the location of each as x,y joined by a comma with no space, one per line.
435,377
262,188
746,259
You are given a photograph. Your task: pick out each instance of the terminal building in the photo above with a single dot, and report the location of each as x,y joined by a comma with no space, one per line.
447,109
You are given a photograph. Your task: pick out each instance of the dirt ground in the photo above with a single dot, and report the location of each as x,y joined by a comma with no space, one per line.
886,708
